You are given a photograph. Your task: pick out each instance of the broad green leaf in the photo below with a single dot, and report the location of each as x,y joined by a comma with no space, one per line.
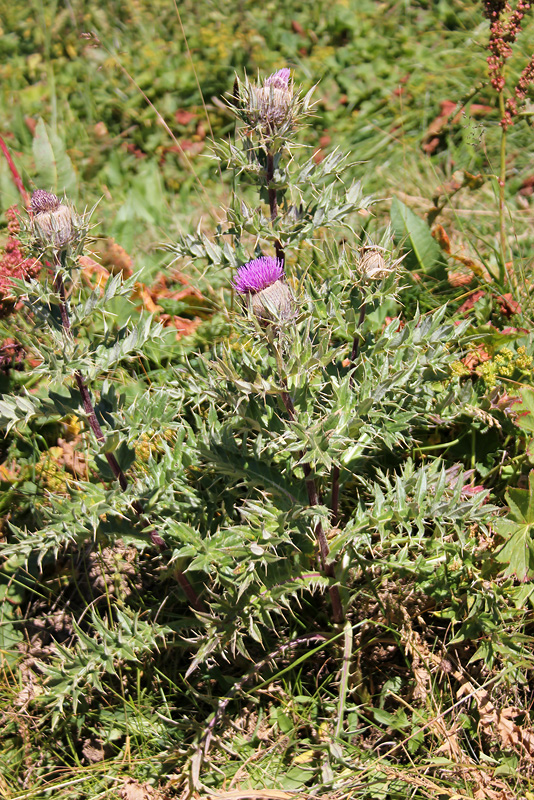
52,164
427,255
518,550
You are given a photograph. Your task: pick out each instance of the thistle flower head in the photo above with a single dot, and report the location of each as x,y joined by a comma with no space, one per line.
280,79
270,105
262,281
54,224
258,274
44,201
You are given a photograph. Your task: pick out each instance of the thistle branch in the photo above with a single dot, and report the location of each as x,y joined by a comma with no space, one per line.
88,407
273,201
313,499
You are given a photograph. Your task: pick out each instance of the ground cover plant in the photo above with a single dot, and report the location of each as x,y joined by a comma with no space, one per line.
267,494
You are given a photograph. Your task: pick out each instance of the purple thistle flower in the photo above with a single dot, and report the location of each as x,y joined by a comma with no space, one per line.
44,201
258,274
280,79
271,103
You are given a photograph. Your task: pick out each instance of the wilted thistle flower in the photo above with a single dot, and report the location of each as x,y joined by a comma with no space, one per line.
372,264
270,105
54,224
262,281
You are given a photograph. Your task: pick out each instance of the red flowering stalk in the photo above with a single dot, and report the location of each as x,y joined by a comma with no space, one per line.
505,27
17,180
513,103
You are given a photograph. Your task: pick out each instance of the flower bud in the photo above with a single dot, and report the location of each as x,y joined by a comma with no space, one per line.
54,224
373,266
270,105
263,282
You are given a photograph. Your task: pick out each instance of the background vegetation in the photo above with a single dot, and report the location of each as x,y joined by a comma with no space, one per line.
113,684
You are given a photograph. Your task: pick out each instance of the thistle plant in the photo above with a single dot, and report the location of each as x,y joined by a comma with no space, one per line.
279,472
313,392
57,235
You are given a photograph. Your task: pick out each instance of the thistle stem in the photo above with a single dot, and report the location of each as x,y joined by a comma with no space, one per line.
313,498
273,201
95,426
356,342
86,397
311,487
334,502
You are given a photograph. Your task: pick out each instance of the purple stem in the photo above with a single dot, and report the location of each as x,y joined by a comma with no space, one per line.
273,202
311,488
334,503
100,437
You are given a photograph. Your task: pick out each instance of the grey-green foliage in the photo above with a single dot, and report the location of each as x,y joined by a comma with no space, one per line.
62,352
77,673
235,439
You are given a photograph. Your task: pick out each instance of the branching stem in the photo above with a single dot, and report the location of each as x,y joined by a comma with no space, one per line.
313,498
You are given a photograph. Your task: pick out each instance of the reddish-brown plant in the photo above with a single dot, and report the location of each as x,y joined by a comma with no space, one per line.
505,27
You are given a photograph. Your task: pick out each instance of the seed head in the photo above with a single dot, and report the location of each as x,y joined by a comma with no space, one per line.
270,105
373,266
54,224
262,282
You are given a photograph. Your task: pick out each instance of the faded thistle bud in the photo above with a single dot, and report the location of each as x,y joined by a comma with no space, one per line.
372,264
54,224
262,282
271,104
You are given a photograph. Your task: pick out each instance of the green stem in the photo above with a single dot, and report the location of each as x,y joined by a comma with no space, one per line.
431,447
502,184
344,680
356,342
